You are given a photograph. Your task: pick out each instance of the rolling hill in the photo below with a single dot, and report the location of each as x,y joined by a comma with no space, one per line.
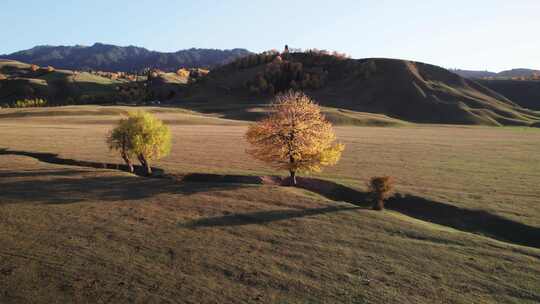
526,93
406,90
504,74
56,86
391,91
107,57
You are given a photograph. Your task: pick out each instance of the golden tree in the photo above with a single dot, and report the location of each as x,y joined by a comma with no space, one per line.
295,137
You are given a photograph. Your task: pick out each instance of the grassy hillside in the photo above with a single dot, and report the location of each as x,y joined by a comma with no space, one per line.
72,233
405,90
526,93
57,86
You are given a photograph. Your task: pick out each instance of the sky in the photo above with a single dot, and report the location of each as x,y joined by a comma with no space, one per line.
490,35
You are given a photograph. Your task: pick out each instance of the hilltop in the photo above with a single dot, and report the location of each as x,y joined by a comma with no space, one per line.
406,90
106,57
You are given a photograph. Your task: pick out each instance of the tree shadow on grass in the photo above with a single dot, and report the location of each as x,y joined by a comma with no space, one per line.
55,159
262,217
36,173
103,188
333,191
474,221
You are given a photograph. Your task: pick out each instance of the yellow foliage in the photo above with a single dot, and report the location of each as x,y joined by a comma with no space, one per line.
141,135
295,136
183,72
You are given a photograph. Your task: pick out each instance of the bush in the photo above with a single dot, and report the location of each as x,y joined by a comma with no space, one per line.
380,188
30,103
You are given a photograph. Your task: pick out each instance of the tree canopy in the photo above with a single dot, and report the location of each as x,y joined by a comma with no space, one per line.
295,136
140,135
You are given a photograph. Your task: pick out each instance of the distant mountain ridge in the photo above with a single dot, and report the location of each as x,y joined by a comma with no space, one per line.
504,74
107,57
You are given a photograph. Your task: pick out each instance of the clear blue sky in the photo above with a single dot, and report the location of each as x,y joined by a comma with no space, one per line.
472,34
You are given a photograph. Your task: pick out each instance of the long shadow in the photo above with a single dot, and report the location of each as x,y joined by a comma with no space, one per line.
262,217
55,159
16,174
105,188
221,178
333,191
474,221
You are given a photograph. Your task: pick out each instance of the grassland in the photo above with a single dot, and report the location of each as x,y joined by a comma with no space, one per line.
72,233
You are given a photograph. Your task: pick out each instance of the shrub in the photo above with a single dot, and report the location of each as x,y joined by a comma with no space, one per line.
30,103
140,135
295,137
380,188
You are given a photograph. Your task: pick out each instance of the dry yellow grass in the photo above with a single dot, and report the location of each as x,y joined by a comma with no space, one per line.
93,235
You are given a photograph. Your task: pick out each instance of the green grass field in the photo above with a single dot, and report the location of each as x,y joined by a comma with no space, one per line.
465,231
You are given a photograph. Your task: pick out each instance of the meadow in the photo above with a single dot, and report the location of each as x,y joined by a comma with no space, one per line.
464,227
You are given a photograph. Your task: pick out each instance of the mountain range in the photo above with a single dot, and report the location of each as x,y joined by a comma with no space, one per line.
106,57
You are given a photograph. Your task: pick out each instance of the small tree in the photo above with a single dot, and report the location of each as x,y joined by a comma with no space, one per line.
295,137
380,188
141,135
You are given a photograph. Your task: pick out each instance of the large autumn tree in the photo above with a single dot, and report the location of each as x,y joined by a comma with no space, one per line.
140,135
295,136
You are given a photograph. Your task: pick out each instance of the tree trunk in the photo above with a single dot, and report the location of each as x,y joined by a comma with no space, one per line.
128,163
378,204
125,155
145,164
293,177
148,169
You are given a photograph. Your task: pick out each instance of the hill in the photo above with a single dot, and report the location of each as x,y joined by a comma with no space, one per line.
392,91
513,73
113,58
526,93
473,74
518,73
406,90
24,81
